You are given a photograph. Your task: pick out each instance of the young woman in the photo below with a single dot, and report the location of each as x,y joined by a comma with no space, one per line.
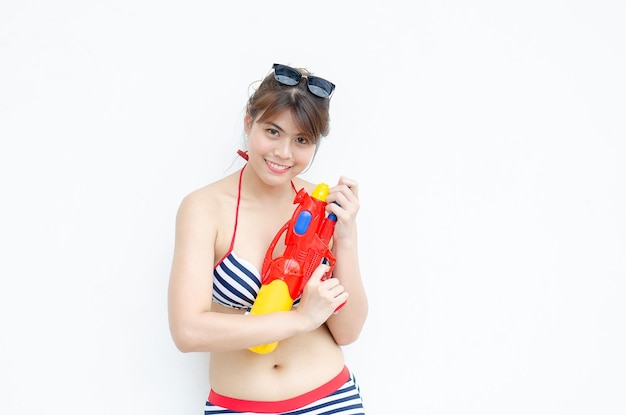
223,231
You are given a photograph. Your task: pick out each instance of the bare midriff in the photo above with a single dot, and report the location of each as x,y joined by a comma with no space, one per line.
298,365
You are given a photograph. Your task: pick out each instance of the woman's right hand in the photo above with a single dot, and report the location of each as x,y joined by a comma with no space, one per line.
320,298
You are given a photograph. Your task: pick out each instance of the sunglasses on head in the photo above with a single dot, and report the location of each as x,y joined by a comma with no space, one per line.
289,76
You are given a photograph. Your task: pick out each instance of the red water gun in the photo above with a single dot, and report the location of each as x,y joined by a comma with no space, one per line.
308,234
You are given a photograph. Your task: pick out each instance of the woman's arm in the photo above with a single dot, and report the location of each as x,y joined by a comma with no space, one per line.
347,324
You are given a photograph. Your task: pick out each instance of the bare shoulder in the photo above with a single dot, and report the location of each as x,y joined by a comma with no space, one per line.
205,206
301,183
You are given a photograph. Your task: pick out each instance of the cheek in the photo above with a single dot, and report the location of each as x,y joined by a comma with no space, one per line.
306,155
258,145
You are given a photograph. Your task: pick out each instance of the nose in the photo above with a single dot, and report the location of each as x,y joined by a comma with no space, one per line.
283,148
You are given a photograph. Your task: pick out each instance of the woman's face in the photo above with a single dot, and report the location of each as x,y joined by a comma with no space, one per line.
277,149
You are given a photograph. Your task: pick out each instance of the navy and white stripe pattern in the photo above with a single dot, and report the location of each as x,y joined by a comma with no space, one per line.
236,283
344,401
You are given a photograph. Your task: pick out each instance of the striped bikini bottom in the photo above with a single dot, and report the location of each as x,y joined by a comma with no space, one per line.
340,396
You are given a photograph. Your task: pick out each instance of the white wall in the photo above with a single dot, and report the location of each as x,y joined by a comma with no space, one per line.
487,137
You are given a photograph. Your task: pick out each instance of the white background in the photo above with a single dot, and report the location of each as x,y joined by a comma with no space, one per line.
488,139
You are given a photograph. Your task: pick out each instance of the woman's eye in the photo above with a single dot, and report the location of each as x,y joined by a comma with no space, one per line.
272,131
302,140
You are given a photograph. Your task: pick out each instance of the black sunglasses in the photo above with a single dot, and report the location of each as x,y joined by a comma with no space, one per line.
289,76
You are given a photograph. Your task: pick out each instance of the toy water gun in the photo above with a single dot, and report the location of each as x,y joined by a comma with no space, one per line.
283,278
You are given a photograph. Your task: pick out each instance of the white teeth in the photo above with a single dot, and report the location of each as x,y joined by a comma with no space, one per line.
277,166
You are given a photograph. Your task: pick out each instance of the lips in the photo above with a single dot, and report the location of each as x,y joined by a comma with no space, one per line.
277,168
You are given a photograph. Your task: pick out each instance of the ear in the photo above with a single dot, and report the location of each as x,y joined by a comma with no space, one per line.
247,123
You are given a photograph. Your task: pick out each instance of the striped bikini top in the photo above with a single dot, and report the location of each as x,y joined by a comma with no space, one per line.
236,282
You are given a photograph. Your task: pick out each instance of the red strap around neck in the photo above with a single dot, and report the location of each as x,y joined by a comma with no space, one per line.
243,154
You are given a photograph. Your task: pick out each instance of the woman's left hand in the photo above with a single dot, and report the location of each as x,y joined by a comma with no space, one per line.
343,201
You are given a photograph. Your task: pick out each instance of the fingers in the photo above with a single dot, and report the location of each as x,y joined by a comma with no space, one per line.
343,199
320,272
347,187
321,297
350,184
333,293
328,289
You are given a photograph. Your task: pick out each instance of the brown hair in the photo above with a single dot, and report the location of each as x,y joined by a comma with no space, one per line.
311,113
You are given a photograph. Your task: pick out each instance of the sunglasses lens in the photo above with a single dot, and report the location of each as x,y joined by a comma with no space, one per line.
286,75
289,76
320,87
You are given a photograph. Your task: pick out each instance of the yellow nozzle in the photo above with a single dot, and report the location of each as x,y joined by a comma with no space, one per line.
320,192
272,297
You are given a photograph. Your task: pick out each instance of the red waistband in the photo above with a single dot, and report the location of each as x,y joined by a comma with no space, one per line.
286,405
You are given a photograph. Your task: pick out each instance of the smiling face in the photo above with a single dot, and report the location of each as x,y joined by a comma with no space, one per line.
278,149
